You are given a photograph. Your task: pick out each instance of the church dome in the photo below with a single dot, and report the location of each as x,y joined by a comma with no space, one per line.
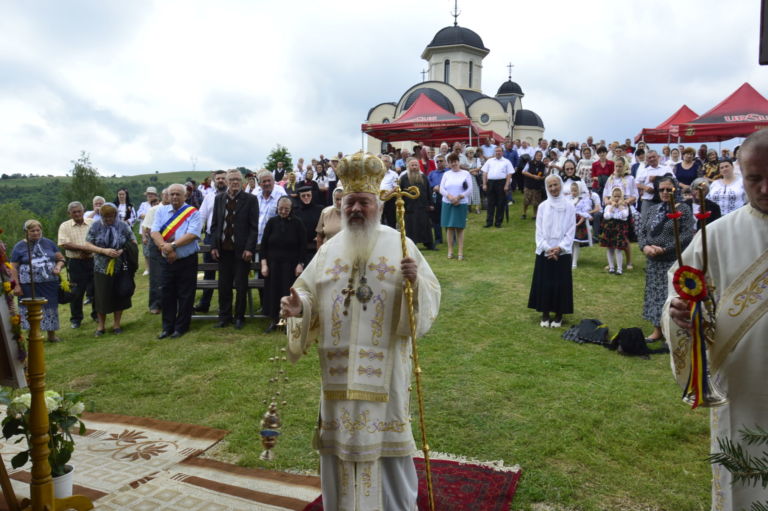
528,118
455,35
510,87
435,95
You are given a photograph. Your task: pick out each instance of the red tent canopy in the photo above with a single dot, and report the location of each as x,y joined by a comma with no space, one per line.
495,136
661,133
739,115
424,121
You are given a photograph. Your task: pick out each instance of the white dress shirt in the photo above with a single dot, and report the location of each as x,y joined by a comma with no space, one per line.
498,168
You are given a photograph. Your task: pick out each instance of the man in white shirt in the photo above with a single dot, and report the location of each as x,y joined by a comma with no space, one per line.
526,148
152,200
647,175
497,173
458,150
544,147
391,177
488,148
155,269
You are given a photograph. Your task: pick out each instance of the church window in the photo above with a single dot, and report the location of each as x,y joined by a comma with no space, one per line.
485,118
471,64
446,70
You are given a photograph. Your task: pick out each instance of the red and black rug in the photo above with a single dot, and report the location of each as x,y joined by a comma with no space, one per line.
461,487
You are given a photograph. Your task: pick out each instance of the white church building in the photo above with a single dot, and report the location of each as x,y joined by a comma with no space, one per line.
455,56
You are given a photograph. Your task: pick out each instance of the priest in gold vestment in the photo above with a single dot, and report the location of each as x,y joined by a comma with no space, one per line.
738,267
350,301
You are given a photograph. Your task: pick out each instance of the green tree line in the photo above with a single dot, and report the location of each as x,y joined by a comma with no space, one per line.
46,198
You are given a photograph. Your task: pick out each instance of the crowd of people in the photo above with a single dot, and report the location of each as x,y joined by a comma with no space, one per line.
615,193
278,223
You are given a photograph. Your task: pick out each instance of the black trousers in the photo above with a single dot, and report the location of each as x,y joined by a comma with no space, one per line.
155,277
389,214
81,276
497,202
233,273
178,281
205,300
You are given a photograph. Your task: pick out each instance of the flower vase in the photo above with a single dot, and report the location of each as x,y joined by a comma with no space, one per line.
62,485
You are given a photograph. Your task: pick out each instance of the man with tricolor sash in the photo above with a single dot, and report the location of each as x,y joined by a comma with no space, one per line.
175,232
737,277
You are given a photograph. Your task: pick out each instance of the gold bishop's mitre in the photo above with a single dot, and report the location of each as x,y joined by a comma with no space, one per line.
361,172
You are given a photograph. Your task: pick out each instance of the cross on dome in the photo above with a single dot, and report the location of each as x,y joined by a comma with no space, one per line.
455,13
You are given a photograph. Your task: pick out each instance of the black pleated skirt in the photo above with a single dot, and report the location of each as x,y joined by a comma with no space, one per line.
552,285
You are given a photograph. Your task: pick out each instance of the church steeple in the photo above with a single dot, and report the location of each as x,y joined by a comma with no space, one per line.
455,56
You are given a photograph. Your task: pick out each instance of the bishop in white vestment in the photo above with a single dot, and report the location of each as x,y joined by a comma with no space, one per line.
350,301
738,268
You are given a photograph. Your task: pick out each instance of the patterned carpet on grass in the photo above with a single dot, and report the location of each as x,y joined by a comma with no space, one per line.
133,463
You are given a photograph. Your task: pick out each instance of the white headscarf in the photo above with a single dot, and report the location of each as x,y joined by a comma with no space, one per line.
556,214
559,202
581,201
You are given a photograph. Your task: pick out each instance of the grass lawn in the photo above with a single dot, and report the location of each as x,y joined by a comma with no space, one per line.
591,429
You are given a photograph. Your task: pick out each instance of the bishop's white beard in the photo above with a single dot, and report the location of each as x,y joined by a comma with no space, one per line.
358,240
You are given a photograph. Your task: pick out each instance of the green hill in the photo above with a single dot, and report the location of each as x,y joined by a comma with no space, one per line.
40,197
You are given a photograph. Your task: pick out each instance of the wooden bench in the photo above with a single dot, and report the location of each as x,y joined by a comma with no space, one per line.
255,283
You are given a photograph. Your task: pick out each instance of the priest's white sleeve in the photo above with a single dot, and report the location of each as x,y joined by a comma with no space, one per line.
304,330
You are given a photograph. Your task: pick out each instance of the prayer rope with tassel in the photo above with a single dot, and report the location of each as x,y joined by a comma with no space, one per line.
691,285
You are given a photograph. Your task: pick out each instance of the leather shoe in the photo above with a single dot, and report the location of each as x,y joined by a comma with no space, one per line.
200,308
271,328
176,335
239,323
164,334
223,323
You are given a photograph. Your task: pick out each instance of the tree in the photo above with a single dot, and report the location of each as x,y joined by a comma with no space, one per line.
13,216
279,153
86,182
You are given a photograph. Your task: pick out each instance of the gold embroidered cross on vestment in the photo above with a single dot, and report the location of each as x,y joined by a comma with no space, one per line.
382,268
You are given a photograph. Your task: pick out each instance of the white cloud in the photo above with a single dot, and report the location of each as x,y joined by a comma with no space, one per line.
147,86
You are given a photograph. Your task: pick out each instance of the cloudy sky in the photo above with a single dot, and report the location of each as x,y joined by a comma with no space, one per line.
164,85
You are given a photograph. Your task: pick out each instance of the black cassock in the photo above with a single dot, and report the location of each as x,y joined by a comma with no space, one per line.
283,245
418,225
309,214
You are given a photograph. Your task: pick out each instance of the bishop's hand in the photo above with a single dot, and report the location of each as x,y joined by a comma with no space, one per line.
290,306
409,269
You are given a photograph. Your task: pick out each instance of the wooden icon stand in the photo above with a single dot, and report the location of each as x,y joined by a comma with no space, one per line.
41,486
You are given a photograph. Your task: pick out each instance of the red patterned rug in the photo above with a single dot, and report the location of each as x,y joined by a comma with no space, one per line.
461,486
